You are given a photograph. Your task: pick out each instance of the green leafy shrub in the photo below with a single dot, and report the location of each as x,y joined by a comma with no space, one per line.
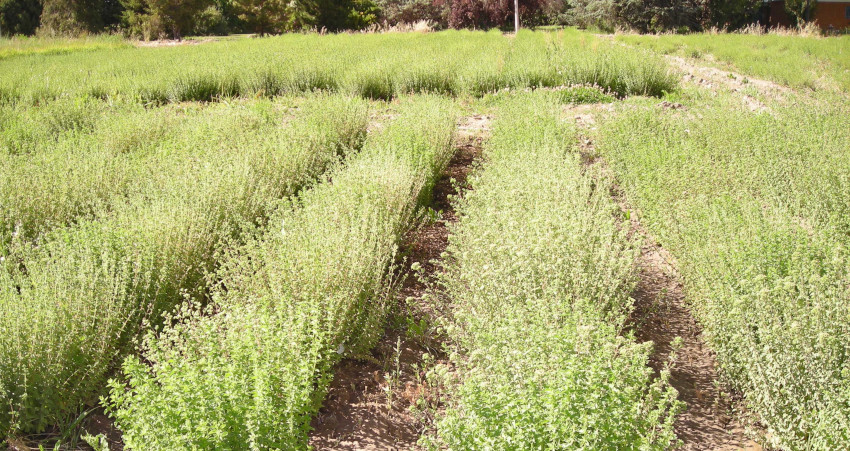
378,85
375,66
753,207
538,275
797,61
252,371
583,94
72,304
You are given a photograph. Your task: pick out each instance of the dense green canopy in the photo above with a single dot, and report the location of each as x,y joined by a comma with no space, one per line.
156,19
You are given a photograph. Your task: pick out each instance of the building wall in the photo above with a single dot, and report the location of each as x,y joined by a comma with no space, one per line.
834,14
826,14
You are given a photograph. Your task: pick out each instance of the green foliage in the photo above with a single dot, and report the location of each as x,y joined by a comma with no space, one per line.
394,12
753,207
19,17
275,16
210,21
72,304
538,275
158,18
660,16
72,17
577,95
800,10
796,61
373,65
641,15
599,14
347,14
252,371
732,14
155,19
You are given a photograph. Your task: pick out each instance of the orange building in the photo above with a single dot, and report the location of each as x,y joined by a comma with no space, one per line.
828,13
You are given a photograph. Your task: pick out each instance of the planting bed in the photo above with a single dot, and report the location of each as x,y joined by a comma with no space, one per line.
453,240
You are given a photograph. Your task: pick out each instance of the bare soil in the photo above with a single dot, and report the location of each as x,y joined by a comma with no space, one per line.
661,316
171,42
368,406
95,424
713,79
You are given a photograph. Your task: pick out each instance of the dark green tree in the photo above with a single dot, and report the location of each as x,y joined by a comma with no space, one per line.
153,19
336,15
731,14
232,23
641,15
394,12
110,13
19,16
275,16
72,17
659,15
801,10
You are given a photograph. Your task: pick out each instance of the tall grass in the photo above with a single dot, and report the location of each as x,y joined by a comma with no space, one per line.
537,276
79,171
250,372
23,45
797,61
27,128
371,65
754,208
72,304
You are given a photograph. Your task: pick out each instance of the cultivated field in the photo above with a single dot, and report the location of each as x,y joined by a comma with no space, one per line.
454,240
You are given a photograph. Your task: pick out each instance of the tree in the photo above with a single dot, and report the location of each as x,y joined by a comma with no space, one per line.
394,12
110,13
275,16
160,18
555,12
731,14
232,23
659,15
642,15
800,10
19,16
488,13
346,14
72,17
209,22
593,13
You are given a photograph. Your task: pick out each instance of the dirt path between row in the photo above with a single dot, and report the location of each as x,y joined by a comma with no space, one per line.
712,78
368,406
661,315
